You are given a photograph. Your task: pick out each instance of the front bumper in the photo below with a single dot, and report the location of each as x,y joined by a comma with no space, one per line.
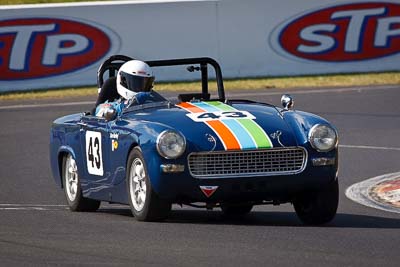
181,187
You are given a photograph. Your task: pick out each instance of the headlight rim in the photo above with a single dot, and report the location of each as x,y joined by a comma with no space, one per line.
310,135
160,152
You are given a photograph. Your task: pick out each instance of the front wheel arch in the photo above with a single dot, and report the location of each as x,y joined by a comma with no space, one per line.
154,208
131,147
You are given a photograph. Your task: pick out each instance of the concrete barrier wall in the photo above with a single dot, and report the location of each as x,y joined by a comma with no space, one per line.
44,46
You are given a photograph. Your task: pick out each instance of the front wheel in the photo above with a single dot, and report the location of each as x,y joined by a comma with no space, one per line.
319,207
144,202
72,187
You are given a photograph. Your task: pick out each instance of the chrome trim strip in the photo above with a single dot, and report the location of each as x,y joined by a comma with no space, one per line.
323,161
255,174
172,168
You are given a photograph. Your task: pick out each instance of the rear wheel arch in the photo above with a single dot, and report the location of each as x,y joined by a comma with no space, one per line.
60,160
72,185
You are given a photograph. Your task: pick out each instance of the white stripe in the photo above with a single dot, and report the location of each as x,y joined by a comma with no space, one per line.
260,93
26,208
38,207
46,207
96,3
316,91
48,105
371,147
29,205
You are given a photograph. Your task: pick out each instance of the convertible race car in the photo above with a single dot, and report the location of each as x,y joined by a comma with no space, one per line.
196,150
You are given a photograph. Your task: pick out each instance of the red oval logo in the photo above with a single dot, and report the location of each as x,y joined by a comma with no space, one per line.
42,47
343,33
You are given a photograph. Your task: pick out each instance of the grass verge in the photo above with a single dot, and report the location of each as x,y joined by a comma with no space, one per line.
342,80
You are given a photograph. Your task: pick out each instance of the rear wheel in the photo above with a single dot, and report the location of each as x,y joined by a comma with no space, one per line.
72,187
236,210
319,207
144,202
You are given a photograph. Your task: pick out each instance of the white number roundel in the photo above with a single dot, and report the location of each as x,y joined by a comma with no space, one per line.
94,159
220,115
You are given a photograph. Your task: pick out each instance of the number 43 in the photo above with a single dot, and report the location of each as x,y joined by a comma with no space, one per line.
222,115
94,153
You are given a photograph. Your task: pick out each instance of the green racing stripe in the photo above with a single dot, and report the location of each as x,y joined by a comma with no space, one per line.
257,133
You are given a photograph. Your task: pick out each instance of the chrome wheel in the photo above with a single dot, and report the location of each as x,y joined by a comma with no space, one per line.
138,187
71,178
145,203
72,187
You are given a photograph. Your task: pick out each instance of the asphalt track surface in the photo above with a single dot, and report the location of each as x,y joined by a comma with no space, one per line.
36,228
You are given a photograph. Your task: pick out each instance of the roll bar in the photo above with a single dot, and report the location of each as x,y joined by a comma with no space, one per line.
112,66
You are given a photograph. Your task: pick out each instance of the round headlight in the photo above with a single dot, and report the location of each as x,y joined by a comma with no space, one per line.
323,138
171,144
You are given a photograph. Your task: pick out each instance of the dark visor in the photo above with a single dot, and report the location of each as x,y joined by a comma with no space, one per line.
136,83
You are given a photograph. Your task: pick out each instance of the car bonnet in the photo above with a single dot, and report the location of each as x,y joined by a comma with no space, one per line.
214,125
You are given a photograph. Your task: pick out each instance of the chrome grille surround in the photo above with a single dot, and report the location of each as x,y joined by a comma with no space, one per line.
247,163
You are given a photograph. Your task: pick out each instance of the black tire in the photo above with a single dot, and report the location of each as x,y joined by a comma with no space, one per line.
72,187
236,210
145,204
320,207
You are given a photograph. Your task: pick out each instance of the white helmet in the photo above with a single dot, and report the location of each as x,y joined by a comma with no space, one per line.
134,76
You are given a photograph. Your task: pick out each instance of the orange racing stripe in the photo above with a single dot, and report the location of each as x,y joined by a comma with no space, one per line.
190,107
226,136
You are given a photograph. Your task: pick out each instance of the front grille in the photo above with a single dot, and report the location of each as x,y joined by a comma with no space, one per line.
266,162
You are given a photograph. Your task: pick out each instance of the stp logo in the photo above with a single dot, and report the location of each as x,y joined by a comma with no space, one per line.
342,33
42,47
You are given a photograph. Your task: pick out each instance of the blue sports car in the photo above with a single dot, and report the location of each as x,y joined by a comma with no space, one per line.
196,150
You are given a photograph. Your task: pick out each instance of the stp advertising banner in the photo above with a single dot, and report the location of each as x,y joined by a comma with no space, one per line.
62,45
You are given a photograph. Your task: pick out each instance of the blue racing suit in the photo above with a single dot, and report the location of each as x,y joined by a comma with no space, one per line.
119,104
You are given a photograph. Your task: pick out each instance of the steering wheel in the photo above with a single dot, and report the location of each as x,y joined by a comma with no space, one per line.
112,64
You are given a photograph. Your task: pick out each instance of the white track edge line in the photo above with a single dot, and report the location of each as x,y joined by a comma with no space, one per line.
311,91
371,147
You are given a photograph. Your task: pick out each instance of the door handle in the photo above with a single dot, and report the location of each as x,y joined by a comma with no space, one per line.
83,124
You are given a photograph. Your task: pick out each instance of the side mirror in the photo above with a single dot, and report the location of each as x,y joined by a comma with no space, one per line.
110,114
287,102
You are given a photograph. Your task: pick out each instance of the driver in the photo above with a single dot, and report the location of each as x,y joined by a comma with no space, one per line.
135,80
